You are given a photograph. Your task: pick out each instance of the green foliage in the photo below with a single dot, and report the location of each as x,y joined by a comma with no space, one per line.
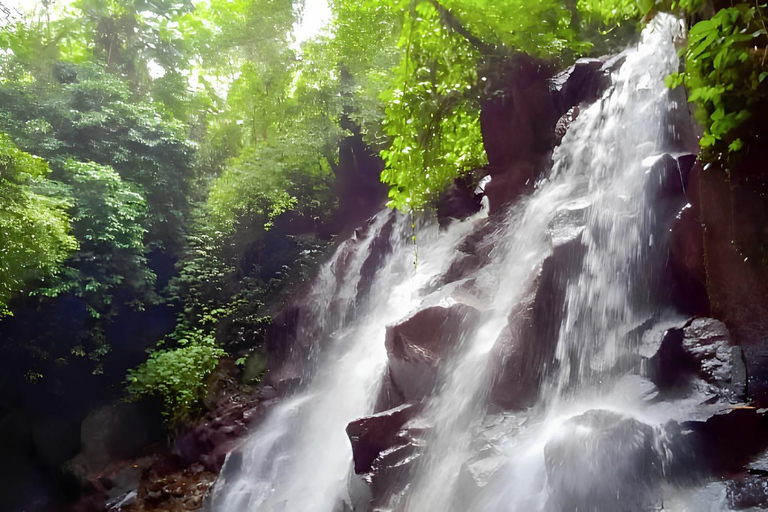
90,116
432,97
177,375
724,74
108,219
265,181
433,119
35,227
613,11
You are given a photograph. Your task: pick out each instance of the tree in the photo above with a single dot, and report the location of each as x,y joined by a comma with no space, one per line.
35,226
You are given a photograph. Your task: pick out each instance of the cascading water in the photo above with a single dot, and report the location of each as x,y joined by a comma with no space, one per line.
299,458
596,197
580,434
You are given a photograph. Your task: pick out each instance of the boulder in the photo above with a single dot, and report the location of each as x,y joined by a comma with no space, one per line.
748,493
602,460
112,433
379,248
701,348
581,82
417,345
385,447
371,435
280,341
472,253
208,441
686,272
526,113
669,176
564,123
389,396
519,113
360,191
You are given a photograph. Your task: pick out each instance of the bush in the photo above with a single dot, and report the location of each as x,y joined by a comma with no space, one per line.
177,375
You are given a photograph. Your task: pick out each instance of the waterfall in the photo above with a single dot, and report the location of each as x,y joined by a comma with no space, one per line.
576,264
299,458
595,200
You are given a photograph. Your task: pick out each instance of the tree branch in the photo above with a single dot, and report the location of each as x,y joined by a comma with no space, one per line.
452,22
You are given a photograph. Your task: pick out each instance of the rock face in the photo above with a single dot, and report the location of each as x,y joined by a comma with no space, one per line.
579,83
734,212
602,460
527,115
700,348
524,352
417,345
112,433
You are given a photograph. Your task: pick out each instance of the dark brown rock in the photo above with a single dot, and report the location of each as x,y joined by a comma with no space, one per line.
372,435
733,209
360,191
418,344
669,176
520,115
582,82
389,396
749,492
393,468
685,265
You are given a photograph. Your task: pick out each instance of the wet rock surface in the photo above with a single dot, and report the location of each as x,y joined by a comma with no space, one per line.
733,211
386,447
417,345
524,352
372,435
701,348
177,477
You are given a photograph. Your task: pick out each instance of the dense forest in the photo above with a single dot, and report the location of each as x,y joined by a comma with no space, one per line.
173,171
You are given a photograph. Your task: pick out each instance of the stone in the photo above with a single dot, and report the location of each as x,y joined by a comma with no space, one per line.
472,253
564,123
371,435
582,82
749,492
668,175
701,348
360,191
114,432
734,213
386,447
602,460
417,345
520,116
